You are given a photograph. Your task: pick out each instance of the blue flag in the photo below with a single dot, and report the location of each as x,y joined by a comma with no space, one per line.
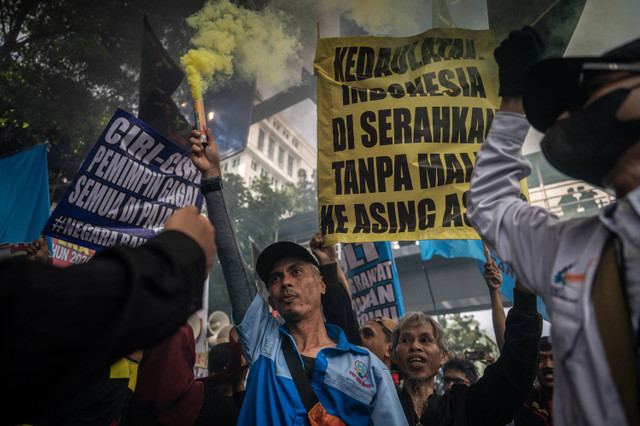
473,249
509,282
24,191
373,279
451,249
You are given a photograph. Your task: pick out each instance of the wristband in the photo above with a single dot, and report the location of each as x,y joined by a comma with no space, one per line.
214,184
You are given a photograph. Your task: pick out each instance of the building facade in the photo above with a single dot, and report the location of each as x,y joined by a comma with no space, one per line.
276,150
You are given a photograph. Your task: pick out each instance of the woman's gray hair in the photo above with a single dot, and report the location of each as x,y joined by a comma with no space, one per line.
420,318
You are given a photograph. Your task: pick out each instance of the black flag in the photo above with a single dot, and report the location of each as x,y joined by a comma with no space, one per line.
160,76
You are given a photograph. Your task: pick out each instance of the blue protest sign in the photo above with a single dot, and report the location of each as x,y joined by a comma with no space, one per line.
373,280
125,190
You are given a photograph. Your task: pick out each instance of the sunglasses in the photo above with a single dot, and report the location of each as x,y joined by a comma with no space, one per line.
384,327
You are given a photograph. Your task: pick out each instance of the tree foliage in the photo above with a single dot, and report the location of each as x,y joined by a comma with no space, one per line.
303,195
66,65
464,335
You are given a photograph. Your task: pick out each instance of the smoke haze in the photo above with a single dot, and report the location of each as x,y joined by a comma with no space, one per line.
230,39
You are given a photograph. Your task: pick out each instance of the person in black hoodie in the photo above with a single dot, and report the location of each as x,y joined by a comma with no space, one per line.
419,348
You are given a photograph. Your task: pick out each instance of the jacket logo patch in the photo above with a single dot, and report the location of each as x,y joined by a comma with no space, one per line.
563,276
361,369
566,281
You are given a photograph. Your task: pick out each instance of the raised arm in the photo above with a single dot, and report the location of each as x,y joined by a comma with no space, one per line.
493,278
336,302
510,226
506,382
237,275
89,315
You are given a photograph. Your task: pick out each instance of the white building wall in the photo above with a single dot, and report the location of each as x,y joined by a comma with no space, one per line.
275,149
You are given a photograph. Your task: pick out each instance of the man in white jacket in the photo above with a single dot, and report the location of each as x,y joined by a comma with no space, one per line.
589,110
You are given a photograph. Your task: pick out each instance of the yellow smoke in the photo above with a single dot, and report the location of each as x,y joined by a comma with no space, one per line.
229,38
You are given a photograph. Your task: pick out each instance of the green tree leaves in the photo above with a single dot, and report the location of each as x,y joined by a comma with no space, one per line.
465,336
66,65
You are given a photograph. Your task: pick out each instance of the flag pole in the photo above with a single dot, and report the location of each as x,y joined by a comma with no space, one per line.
433,300
487,256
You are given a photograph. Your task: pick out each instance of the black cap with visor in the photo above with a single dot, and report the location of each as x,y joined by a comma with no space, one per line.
555,85
278,251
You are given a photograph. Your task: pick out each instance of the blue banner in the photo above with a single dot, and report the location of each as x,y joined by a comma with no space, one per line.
473,249
509,282
24,191
128,186
373,280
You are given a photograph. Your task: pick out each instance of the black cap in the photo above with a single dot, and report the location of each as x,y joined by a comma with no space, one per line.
278,251
551,85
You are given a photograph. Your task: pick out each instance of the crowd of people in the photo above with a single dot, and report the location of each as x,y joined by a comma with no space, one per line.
121,352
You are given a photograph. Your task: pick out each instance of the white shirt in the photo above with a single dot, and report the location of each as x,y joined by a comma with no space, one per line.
557,260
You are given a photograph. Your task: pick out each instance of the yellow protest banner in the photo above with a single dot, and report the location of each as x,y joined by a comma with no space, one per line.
400,120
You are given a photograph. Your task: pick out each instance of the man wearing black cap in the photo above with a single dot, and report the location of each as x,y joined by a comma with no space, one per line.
348,381
589,110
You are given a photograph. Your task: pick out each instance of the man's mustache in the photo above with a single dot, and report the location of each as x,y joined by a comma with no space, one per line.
288,293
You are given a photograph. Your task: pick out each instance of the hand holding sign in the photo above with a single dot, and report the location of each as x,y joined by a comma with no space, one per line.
205,156
191,222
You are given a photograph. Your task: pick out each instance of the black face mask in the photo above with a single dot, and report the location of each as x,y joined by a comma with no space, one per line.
589,143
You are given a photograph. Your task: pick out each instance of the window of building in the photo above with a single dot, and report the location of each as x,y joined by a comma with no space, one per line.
290,165
295,143
260,140
270,148
234,163
280,157
254,166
